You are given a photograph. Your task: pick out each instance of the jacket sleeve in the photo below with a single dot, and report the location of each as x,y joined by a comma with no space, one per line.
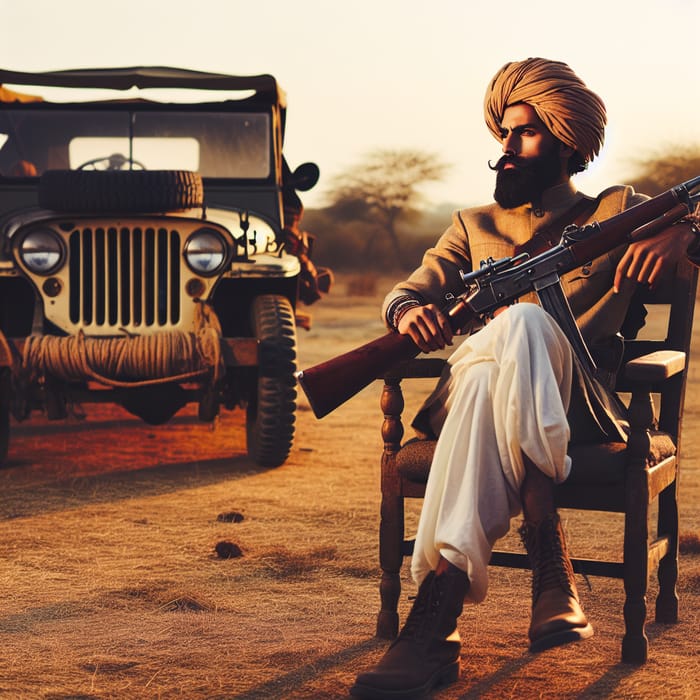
439,271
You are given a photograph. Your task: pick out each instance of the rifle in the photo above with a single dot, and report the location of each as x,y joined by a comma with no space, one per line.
498,283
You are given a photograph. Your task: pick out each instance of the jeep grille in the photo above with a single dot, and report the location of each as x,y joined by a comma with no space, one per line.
126,277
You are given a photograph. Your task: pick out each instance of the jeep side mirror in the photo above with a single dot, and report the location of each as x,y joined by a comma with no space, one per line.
304,177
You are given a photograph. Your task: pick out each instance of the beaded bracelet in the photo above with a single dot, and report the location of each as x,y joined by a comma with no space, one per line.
399,307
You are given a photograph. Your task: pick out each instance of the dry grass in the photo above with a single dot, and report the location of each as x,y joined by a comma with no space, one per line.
111,585
689,543
364,285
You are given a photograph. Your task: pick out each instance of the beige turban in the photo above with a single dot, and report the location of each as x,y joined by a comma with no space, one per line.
572,112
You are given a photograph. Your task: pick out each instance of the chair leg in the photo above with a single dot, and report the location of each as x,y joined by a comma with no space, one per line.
667,599
635,644
391,528
391,523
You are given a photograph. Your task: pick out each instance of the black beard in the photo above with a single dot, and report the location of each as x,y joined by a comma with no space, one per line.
527,181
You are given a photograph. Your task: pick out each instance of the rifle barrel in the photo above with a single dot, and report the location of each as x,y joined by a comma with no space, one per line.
615,230
331,383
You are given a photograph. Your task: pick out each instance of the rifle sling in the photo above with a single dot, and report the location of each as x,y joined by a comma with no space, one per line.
550,235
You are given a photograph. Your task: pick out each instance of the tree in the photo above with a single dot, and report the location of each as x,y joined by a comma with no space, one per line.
657,173
382,190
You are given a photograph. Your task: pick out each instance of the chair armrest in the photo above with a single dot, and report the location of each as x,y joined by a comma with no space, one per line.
656,366
418,368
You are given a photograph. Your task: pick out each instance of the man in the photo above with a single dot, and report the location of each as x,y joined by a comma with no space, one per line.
515,394
313,281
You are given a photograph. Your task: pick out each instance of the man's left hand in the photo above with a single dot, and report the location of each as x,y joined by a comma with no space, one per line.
647,261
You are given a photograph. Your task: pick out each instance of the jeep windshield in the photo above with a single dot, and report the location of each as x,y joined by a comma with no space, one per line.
217,144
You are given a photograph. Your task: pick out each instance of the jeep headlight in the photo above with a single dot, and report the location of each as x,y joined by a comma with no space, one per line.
42,251
206,252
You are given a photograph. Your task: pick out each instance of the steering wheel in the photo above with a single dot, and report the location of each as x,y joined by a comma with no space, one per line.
116,161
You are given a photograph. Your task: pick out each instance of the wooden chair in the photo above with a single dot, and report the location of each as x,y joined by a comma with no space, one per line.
618,477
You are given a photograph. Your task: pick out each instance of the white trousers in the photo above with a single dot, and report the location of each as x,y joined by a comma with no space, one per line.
507,394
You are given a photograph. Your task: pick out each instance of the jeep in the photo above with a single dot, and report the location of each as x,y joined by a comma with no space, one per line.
145,255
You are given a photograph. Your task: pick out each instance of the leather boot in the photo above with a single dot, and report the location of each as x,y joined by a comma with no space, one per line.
557,617
426,652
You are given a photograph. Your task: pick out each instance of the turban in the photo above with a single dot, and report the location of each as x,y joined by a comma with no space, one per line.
572,113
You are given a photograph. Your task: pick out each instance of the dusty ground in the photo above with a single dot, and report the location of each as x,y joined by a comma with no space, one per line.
110,586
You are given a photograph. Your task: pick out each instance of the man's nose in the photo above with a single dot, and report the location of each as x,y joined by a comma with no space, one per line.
509,145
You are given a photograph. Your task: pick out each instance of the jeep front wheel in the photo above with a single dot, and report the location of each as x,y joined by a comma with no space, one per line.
272,402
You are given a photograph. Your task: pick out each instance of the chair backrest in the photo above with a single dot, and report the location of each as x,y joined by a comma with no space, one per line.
669,325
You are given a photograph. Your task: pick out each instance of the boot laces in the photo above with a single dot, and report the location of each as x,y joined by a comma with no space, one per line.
551,566
425,607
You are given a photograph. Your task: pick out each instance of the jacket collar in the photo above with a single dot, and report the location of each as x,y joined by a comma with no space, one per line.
560,196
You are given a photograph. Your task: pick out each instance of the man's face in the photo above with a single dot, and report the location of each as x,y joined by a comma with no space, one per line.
533,158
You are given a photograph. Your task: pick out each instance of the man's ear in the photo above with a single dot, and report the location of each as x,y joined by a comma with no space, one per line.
566,151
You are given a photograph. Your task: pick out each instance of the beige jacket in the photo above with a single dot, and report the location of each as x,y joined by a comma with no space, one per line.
491,231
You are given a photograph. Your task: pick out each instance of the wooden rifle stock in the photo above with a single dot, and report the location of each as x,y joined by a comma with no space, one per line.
331,383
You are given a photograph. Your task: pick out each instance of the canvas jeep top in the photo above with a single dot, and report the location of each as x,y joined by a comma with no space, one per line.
144,252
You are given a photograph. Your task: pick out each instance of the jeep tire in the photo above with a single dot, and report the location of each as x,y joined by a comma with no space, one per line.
131,191
272,402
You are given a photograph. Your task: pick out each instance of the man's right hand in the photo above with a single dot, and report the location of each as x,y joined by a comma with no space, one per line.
427,327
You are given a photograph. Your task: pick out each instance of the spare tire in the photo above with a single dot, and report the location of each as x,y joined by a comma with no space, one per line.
120,190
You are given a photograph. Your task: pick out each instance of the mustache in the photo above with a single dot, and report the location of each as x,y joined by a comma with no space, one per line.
507,159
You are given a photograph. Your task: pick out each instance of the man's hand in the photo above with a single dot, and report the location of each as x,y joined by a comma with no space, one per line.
427,326
647,261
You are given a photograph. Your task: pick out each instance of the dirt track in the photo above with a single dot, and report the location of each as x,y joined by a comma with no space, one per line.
111,588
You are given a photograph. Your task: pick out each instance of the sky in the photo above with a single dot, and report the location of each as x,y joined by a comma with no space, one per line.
362,75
